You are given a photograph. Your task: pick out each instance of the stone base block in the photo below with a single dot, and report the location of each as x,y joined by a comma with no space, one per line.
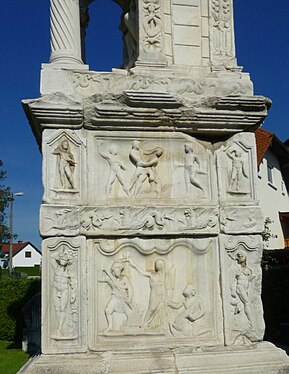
261,358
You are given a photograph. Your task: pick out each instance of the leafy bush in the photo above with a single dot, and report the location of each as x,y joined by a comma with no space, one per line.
14,294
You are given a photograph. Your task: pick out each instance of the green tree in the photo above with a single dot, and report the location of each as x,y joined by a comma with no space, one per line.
4,199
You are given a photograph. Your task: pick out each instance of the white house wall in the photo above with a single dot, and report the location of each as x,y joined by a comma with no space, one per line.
19,260
273,198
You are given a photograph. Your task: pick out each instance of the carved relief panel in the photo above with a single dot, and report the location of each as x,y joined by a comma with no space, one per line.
154,292
236,164
241,288
222,43
241,220
58,220
127,221
64,306
148,167
150,32
64,163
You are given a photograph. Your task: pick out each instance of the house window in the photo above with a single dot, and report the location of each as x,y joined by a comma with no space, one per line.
28,254
270,173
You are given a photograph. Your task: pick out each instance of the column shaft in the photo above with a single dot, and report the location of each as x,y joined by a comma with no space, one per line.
65,32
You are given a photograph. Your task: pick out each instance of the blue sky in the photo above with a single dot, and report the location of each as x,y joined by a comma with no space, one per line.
262,42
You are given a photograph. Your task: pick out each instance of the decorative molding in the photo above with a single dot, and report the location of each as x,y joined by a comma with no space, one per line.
148,221
222,33
250,243
64,289
111,248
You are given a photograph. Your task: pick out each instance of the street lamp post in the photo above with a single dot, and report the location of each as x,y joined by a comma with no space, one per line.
11,199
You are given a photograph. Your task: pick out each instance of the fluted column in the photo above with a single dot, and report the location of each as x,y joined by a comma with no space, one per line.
65,32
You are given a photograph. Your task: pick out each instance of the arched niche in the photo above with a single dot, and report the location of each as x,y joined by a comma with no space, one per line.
125,26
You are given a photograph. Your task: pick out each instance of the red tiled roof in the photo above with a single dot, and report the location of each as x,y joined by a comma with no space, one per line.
16,247
263,141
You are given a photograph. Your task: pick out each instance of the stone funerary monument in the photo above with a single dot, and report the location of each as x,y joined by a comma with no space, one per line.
150,217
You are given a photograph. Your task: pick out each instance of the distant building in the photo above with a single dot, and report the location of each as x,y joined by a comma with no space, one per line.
25,254
273,186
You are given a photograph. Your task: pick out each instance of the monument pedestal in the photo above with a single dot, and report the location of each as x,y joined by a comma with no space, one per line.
257,359
150,219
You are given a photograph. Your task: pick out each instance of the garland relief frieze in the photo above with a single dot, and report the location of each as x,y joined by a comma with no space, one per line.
128,221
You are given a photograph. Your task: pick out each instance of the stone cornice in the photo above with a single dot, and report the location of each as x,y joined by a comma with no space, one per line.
143,111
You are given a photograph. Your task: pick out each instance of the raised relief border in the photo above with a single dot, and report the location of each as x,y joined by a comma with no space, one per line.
173,170
64,160
236,160
241,284
119,221
64,312
154,291
241,220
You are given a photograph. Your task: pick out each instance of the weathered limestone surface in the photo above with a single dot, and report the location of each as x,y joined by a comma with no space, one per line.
150,217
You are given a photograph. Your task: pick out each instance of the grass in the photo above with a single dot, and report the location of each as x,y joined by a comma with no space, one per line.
25,272
29,271
11,359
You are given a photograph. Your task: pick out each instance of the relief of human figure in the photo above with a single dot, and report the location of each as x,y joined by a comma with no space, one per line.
240,286
190,311
116,168
145,163
192,166
64,293
121,294
155,315
65,165
239,170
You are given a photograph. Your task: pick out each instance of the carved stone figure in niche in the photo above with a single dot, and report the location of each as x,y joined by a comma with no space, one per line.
145,163
129,28
121,294
65,165
192,169
155,315
240,286
239,171
191,311
64,294
116,168
152,25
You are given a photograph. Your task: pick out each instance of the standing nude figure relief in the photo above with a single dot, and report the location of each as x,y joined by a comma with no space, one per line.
145,162
193,170
239,174
117,169
65,165
64,294
243,277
